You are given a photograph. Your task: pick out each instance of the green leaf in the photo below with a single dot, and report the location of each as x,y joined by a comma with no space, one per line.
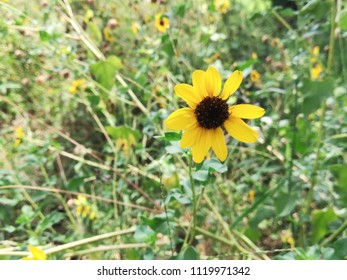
9,85
104,71
93,100
94,32
8,201
124,132
170,136
180,10
315,92
246,64
75,183
177,195
46,36
3,30
339,170
343,20
174,148
214,165
159,222
88,16
50,220
189,253
285,202
201,175
320,221
144,233
340,247
316,8
167,45
9,228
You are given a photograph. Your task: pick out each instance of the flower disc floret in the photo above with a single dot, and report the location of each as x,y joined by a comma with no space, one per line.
211,112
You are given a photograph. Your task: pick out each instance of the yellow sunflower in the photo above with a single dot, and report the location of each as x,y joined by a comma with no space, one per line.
208,112
161,23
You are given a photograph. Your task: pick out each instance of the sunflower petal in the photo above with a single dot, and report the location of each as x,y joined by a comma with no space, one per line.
190,136
188,94
246,111
38,254
213,81
180,119
218,144
199,83
202,145
232,84
238,129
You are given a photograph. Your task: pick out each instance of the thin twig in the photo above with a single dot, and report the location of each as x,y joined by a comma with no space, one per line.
44,189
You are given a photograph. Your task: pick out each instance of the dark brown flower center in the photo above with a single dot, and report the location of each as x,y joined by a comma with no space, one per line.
161,22
211,112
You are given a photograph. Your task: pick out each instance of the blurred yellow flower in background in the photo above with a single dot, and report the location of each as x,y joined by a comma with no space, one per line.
287,237
222,5
19,135
36,254
162,23
315,54
77,85
84,209
251,196
315,51
255,76
135,28
316,71
107,34
254,55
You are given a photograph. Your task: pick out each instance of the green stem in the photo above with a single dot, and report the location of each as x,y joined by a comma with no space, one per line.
335,234
192,234
283,21
88,240
215,237
332,37
188,240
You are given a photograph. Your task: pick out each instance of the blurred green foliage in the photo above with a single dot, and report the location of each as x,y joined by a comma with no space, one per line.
91,82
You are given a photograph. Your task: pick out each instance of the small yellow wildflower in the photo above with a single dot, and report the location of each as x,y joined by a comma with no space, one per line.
135,28
107,34
36,254
251,196
162,23
213,58
19,135
287,237
315,51
76,85
315,54
222,5
83,208
316,71
255,76
72,90
209,111
254,55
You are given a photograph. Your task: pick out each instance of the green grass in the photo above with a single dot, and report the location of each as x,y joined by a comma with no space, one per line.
103,137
